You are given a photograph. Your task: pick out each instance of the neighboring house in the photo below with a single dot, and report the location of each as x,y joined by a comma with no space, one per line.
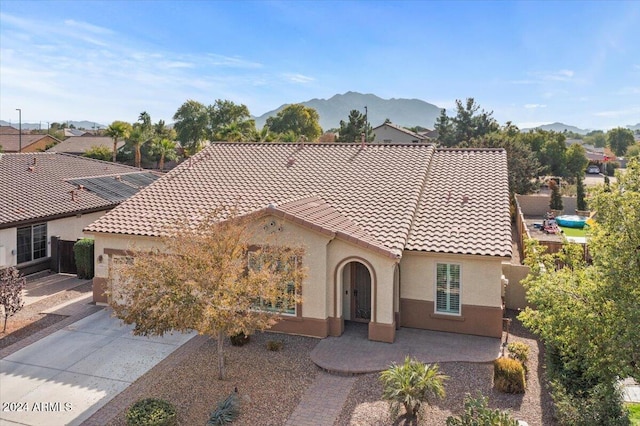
389,133
9,130
74,133
48,198
30,143
78,145
394,235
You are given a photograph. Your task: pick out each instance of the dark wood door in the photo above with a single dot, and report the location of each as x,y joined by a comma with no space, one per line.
361,291
66,256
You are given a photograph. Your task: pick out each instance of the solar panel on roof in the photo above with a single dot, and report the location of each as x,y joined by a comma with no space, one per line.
114,188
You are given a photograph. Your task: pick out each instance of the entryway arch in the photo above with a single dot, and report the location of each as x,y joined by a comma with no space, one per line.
357,287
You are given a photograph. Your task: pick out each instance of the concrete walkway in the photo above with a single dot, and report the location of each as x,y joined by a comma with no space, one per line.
353,353
44,286
322,402
73,372
630,390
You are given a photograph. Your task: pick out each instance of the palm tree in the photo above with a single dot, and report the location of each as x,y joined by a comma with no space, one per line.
141,134
166,149
411,384
118,130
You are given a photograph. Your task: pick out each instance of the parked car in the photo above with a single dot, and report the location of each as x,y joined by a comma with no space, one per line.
593,169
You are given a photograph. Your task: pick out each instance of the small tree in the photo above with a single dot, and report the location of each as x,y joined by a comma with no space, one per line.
11,286
201,280
99,153
411,384
580,193
556,198
478,413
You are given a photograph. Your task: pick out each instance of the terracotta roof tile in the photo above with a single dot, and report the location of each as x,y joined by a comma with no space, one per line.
37,185
370,194
81,144
465,206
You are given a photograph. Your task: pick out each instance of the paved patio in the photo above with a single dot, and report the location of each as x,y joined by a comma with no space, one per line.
353,353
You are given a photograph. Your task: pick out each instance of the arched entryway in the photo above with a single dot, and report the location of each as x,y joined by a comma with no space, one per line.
357,299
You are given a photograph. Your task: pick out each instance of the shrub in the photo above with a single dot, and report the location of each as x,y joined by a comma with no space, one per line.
12,284
508,375
151,412
239,339
478,413
275,345
226,411
519,351
600,405
411,384
83,253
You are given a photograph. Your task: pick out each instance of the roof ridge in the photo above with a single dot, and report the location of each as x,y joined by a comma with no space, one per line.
423,186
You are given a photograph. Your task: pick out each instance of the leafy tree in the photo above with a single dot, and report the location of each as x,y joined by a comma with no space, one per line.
191,125
297,118
552,154
445,129
200,280
633,151
556,198
117,130
230,122
575,160
351,131
265,135
619,139
411,384
166,149
98,152
596,138
11,286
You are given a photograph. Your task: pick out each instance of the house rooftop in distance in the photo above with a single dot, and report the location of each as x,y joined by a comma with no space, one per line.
42,185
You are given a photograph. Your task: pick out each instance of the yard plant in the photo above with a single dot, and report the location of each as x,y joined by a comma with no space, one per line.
151,412
478,413
11,286
508,375
226,411
411,384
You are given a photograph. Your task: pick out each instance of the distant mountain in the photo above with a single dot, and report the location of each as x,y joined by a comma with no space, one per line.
87,125
635,127
405,112
559,127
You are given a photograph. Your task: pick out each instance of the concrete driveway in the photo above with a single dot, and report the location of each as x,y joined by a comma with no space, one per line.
65,377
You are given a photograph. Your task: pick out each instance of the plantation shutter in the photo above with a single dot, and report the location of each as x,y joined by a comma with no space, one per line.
448,288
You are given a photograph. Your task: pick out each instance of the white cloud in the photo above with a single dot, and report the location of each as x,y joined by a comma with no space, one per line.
534,106
230,61
561,75
87,27
298,78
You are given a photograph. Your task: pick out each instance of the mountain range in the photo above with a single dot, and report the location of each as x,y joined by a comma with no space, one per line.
405,112
87,125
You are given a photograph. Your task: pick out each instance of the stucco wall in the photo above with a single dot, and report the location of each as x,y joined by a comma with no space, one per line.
538,205
386,133
68,228
480,277
515,294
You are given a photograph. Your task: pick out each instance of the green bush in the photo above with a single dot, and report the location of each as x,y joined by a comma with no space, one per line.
411,384
239,339
519,351
83,253
226,411
275,345
600,405
151,412
478,413
508,375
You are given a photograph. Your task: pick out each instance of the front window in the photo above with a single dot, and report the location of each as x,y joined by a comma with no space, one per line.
285,305
32,242
448,288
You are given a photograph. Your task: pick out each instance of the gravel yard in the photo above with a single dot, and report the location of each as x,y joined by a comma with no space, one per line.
364,406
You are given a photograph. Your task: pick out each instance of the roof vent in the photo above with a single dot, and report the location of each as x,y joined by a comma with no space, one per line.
31,168
80,187
35,160
465,199
73,195
118,178
290,161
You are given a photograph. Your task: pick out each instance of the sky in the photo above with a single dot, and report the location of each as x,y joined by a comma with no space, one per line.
530,62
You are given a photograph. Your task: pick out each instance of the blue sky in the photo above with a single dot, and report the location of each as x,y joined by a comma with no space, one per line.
529,62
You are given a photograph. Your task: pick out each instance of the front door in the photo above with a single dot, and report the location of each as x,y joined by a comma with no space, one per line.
361,291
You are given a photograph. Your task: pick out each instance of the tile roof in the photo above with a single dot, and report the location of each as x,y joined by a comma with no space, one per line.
9,130
38,185
11,142
369,195
465,206
81,144
400,129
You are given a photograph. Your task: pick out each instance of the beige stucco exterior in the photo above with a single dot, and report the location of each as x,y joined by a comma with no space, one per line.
325,290
67,228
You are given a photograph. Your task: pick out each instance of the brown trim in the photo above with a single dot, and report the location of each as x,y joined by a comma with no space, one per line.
303,326
99,288
336,326
374,284
477,320
382,332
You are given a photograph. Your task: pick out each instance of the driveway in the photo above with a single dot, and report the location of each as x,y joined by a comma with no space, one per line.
65,377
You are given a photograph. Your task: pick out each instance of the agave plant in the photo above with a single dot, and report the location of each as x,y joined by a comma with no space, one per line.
411,384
